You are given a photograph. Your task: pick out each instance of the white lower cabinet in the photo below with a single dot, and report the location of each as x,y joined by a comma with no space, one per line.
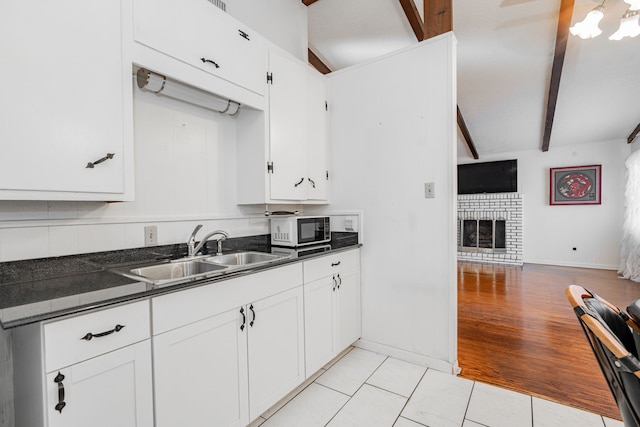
110,390
276,348
226,352
200,373
332,307
223,353
90,370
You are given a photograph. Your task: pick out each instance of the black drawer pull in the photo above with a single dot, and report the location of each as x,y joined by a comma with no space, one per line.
299,182
244,35
90,336
313,183
335,264
254,315
205,60
91,165
61,404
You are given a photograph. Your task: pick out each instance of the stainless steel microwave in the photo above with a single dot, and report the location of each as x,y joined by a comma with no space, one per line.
295,231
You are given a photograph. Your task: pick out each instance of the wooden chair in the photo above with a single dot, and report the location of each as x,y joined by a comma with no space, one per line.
612,334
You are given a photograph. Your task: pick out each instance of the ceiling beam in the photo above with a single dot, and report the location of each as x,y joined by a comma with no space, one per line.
467,136
438,17
317,63
633,134
413,16
308,2
564,21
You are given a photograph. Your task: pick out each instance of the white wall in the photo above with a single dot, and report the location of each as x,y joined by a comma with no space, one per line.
551,232
283,22
392,130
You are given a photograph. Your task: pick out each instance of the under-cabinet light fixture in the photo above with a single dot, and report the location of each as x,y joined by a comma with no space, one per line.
161,85
629,26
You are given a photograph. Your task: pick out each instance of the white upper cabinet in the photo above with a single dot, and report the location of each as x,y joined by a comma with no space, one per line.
289,165
317,138
288,128
65,111
200,41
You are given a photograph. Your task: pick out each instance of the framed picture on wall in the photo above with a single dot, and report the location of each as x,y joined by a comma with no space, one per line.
575,185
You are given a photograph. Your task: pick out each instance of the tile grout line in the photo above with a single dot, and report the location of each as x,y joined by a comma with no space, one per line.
409,398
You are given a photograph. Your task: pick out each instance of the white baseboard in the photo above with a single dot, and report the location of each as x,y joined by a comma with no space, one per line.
407,356
572,264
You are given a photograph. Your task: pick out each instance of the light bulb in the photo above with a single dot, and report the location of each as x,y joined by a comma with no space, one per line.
628,26
588,28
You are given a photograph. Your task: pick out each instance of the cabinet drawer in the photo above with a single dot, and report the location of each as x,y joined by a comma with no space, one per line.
82,337
191,305
320,267
203,37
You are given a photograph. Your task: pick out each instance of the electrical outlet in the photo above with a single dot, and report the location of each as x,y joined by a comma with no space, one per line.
351,223
150,235
429,190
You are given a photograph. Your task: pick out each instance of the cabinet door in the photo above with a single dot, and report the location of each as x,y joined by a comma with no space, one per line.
317,149
319,323
204,37
288,128
201,373
348,323
65,80
276,348
110,390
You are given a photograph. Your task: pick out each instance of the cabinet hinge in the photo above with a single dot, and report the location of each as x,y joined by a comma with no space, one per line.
269,77
269,167
244,35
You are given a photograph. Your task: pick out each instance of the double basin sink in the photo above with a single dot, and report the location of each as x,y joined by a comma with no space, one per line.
187,269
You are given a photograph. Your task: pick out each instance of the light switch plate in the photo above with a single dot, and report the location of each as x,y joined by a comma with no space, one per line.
429,190
150,235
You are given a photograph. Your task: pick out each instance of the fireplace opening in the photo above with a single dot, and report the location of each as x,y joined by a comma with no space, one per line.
483,234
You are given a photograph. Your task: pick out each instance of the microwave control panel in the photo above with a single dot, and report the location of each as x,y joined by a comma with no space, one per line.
281,231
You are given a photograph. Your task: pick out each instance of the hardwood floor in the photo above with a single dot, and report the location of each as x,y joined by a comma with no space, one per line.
517,330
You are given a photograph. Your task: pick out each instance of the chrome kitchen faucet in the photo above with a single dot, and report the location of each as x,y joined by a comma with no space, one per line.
193,249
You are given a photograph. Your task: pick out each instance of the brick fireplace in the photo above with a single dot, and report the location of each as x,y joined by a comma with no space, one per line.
490,228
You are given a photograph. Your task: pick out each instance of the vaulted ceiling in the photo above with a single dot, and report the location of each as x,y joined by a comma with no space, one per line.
523,81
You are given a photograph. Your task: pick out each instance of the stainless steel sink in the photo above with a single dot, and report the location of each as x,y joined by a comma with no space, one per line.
188,269
176,271
243,259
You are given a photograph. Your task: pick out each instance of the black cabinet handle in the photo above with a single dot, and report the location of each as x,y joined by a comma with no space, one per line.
244,35
254,315
335,264
58,380
244,318
90,336
339,280
299,182
91,165
335,283
313,184
205,60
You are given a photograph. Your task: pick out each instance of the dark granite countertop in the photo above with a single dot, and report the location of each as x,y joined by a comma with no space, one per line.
42,289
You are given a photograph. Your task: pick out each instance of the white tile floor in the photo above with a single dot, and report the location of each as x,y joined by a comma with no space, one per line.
366,389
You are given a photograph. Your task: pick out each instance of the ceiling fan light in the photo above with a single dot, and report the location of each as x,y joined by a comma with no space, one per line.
629,26
634,4
588,27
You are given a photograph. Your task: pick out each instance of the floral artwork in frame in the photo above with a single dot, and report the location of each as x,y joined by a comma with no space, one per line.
575,185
